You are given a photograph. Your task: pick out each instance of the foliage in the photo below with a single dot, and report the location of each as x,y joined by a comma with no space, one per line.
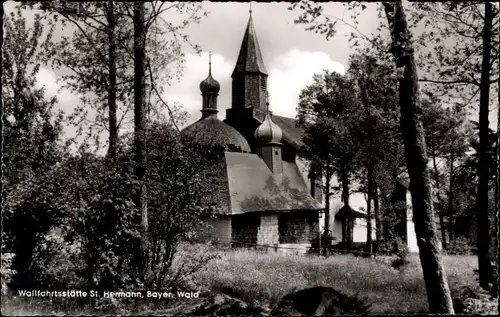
459,246
105,82
316,243
180,171
32,148
326,111
414,144
6,272
450,47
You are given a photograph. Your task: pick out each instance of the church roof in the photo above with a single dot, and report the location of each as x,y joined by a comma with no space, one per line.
348,210
250,57
291,133
211,129
253,187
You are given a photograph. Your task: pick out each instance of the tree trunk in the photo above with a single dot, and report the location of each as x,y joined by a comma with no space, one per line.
327,211
483,234
346,221
441,215
438,292
139,121
113,128
369,242
379,232
450,199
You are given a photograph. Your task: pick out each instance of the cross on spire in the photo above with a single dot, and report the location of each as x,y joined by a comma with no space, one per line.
210,62
250,8
267,102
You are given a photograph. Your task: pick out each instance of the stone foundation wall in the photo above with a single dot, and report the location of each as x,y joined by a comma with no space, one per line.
244,229
297,227
215,230
268,233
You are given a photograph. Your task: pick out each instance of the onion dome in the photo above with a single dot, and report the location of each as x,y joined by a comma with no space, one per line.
268,131
210,85
211,130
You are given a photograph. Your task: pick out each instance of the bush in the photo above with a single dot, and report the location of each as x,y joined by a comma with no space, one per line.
6,271
474,300
459,246
315,243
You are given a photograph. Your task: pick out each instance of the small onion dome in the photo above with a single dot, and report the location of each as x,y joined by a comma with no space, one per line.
268,131
211,129
210,85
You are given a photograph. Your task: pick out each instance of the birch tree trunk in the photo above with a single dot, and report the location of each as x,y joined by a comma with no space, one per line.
438,292
139,125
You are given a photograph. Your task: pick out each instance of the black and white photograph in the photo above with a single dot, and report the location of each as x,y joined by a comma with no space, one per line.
214,158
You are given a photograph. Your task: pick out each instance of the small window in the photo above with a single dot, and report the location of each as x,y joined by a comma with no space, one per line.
263,83
276,152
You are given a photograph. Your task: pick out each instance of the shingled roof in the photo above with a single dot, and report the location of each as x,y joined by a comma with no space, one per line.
254,188
291,133
211,129
250,57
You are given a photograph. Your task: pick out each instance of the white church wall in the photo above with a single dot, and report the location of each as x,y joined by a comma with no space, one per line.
356,201
410,226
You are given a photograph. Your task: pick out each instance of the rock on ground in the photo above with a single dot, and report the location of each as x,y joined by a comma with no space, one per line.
320,300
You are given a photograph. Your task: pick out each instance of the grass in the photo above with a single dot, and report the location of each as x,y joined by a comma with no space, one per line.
263,279
22,306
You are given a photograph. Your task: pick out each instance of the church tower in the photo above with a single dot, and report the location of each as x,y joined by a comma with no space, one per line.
268,137
250,75
209,90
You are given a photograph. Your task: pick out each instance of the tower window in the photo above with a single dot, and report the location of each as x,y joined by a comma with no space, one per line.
276,152
263,83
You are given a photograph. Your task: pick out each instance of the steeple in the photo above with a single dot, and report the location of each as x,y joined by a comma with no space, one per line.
250,58
250,75
268,132
209,90
268,137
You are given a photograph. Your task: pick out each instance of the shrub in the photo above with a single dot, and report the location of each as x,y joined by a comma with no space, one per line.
474,300
318,241
6,271
459,246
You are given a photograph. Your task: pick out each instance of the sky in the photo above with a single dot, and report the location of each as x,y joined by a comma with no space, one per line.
291,55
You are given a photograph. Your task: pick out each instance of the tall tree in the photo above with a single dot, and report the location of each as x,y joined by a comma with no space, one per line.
446,138
438,293
31,132
113,125
325,110
99,55
380,133
140,126
483,227
466,66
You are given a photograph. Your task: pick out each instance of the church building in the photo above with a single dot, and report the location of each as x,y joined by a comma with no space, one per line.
268,198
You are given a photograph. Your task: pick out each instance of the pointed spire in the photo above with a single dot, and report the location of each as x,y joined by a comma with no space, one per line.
209,85
250,57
